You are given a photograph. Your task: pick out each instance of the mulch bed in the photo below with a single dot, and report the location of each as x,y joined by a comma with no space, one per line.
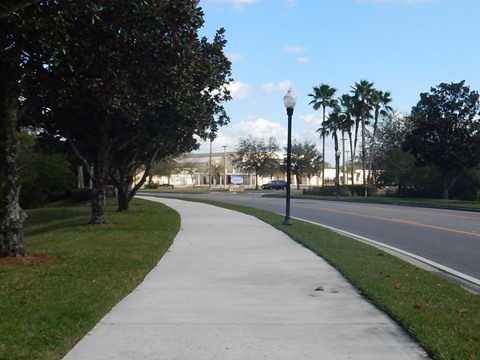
34,259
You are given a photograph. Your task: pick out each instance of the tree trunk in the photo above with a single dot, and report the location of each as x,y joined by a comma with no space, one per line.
98,174
122,184
80,179
337,165
123,177
98,204
100,179
123,199
125,192
352,170
323,159
323,146
355,138
364,157
372,150
11,223
447,185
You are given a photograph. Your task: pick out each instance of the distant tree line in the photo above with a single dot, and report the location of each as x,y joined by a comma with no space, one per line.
259,157
435,150
424,153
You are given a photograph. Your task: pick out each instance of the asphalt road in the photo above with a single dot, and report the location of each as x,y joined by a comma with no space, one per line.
447,238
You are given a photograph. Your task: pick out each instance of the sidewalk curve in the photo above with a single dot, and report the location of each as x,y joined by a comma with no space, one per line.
234,288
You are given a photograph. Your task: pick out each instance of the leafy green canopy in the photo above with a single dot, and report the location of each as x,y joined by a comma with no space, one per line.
445,130
256,156
128,82
306,160
44,175
130,69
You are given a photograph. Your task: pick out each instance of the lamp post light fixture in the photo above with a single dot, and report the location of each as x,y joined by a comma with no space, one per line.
289,100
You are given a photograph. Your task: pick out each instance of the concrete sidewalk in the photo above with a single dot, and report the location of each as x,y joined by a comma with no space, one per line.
232,287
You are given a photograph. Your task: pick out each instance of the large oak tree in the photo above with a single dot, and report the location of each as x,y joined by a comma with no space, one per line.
445,130
137,82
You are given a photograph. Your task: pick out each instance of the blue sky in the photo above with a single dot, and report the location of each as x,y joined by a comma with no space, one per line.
403,46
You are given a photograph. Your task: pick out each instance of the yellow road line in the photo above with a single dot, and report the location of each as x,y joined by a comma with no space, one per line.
403,221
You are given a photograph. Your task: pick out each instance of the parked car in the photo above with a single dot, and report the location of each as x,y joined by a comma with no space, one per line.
275,185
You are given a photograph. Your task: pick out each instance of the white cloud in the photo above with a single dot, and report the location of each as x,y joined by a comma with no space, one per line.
239,90
289,3
375,1
235,57
258,127
391,1
418,1
237,3
294,48
303,59
250,126
312,120
278,87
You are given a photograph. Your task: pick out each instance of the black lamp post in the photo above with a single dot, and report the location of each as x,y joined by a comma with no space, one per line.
289,100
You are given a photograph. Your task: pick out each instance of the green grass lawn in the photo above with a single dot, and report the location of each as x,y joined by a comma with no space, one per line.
46,308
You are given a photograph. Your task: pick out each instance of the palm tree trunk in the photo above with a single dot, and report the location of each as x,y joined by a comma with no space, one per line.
350,140
323,160
337,165
364,157
372,149
355,139
323,147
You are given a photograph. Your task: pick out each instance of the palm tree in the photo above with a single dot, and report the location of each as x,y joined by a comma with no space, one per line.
380,101
362,92
333,125
322,98
347,106
324,131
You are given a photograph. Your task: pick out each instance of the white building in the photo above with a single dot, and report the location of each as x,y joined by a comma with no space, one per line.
194,170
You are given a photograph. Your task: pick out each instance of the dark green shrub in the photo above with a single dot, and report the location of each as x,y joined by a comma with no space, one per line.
345,190
43,176
46,177
467,187
81,195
